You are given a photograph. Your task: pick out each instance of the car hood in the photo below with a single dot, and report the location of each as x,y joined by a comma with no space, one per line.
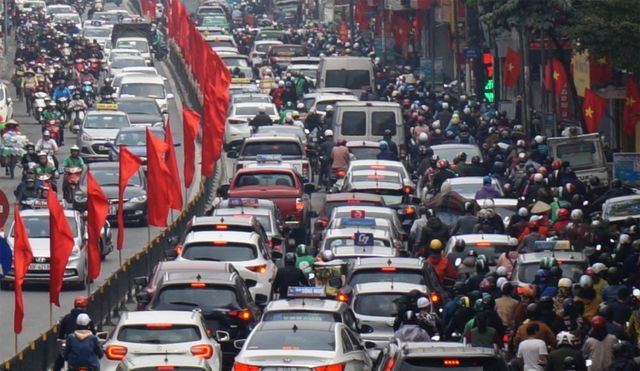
40,247
141,118
140,151
102,133
111,192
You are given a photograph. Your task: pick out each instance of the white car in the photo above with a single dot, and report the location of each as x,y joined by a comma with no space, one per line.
237,126
101,34
141,44
141,85
162,332
115,52
6,104
163,362
119,63
259,50
320,101
247,251
618,209
222,43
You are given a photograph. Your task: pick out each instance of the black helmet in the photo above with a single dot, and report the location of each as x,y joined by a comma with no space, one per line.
613,276
533,311
290,258
605,311
459,288
460,245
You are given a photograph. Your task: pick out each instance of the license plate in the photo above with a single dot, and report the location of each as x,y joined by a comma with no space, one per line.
39,267
102,148
113,210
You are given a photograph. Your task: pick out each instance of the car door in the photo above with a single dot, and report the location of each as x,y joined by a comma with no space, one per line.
355,357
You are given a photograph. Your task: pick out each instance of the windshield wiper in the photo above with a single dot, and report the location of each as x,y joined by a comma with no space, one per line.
184,303
208,259
151,341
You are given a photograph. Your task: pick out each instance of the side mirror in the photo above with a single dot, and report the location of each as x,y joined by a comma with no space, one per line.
232,154
366,329
141,281
170,254
223,191
369,345
335,282
261,300
222,336
102,336
276,255
238,344
170,96
143,298
309,188
250,283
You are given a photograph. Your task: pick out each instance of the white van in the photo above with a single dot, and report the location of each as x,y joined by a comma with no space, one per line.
353,73
143,85
367,121
585,154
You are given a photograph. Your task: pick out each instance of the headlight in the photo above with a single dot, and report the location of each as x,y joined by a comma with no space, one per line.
138,199
80,198
158,124
75,251
85,137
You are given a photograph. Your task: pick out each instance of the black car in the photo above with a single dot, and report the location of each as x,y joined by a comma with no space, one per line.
135,194
142,111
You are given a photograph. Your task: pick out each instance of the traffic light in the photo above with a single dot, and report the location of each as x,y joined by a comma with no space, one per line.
487,61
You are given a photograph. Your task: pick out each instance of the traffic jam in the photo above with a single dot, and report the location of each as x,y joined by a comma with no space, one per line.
366,220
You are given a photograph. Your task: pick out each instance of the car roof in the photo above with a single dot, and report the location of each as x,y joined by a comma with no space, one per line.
229,236
158,316
380,287
253,104
261,137
182,277
226,219
45,212
444,349
564,256
377,209
142,78
405,263
354,252
622,198
348,232
238,211
468,180
366,104
262,203
309,304
133,98
493,238
194,265
385,173
346,196
302,325
105,112
267,169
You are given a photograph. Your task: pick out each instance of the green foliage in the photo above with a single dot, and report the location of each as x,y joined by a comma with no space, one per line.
524,15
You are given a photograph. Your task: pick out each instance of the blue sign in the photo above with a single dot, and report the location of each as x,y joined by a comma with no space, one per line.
471,53
305,292
363,239
361,222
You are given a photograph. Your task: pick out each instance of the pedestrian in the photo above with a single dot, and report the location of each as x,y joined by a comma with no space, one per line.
532,352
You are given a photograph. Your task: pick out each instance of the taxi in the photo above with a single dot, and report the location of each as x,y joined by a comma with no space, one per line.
266,218
489,245
572,264
99,129
353,242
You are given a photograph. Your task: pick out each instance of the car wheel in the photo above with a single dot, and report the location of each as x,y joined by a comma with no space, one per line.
6,285
143,222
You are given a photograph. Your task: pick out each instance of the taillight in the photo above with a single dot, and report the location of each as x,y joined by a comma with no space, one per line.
244,367
390,363
178,249
258,268
402,150
116,352
198,285
435,298
299,204
451,362
335,367
340,173
407,189
388,269
505,338
163,367
305,170
159,325
202,351
244,314
270,243
342,297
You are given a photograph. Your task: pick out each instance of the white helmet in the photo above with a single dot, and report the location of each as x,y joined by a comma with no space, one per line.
538,178
300,106
538,139
576,214
83,319
488,204
523,212
565,337
423,137
327,255
598,268
586,281
328,133
262,108
565,282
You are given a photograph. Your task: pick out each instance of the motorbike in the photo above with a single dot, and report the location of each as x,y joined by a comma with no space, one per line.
88,93
70,182
336,174
53,126
39,103
160,52
62,104
76,118
46,180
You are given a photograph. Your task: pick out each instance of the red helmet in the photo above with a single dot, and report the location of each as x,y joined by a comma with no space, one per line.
598,322
563,213
80,302
543,170
556,164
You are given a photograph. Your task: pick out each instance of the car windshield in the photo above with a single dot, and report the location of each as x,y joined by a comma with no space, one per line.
466,188
213,21
349,79
390,196
581,155
106,122
272,147
119,53
451,152
136,138
253,110
300,315
196,295
128,62
235,62
623,208
310,73
161,333
263,47
293,339
349,241
97,32
384,304
38,226
451,362
140,45
108,177
270,179
572,270
223,251
251,98
220,43
387,274
139,107
364,153
142,90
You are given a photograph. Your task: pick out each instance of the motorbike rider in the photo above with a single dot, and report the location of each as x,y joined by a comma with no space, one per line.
44,167
74,159
29,84
288,276
340,156
30,156
76,104
261,119
27,190
305,258
107,90
68,325
47,145
82,346
61,91
385,152
326,149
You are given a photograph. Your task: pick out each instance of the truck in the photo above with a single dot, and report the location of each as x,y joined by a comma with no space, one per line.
585,154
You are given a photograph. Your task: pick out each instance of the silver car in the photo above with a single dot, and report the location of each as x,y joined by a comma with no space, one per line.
100,128
302,345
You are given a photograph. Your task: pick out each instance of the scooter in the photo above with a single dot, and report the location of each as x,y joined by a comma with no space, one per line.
88,93
76,118
54,129
70,182
39,103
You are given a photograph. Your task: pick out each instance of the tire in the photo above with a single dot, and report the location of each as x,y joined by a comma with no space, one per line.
143,222
6,285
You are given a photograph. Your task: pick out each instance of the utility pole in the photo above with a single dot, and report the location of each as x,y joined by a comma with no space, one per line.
6,27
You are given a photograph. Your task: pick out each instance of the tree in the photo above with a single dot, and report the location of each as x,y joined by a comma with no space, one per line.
524,15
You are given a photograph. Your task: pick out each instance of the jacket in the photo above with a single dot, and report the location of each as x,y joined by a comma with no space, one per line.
442,267
83,349
599,349
487,191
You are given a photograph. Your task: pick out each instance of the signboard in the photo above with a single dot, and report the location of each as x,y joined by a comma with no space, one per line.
357,214
305,292
471,53
363,239
4,208
552,245
361,222
626,167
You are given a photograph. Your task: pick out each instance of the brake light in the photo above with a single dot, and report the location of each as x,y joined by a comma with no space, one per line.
342,297
483,244
178,249
520,290
388,269
451,362
435,298
340,173
116,352
222,227
204,351
299,204
244,367
409,210
407,190
270,243
165,368
159,325
377,167
505,338
258,268
305,169
219,242
390,363
198,285
402,150
244,314
335,367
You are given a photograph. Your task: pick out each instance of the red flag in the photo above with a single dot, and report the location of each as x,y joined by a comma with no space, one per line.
600,70
512,67
175,187
593,109
208,136
157,181
128,165
631,107
555,76
97,211
22,257
190,123
61,245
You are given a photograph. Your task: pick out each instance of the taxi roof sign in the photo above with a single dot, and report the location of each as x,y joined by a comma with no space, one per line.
357,222
305,292
240,80
268,158
107,106
552,245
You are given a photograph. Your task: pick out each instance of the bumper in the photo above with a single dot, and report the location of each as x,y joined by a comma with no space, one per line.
74,272
94,151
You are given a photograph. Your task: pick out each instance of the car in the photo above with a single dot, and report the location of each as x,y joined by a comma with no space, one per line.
302,345
259,51
163,362
272,34
245,203
222,43
140,85
118,63
618,209
279,56
368,222
162,332
101,34
222,297
363,149
375,305
247,251
571,263
345,239
467,186
115,53
99,129
450,151
212,21
107,18
237,223
268,220
59,8
142,111
135,193
237,127
135,139
72,17
380,165
273,148
378,212
439,356
309,71
320,101
6,104
209,10
489,245
36,222
139,43
250,98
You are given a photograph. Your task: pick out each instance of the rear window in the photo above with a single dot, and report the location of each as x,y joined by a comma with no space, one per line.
357,123
329,206
291,339
173,368
378,304
287,51
387,274
300,315
272,148
491,252
452,363
364,153
193,295
229,252
381,121
270,179
390,196
572,270
579,155
349,79
161,333
349,241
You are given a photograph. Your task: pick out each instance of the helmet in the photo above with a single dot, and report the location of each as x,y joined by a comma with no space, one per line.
441,164
459,288
538,139
624,238
565,337
42,154
74,148
262,109
387,133
435,245
80,302
598,322
563,213
501,271
464,302
541,275
83,319
533,311
383,145
598,268
328,133
547,262
529,291
523,212
329,108
586,281
576,214
302,249
565,282
289,258
423,137
460,244
327,255
538,178
46,133
556,164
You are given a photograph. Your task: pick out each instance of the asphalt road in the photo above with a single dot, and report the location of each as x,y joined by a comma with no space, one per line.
37,299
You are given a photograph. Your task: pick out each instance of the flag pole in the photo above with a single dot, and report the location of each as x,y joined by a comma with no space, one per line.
148,234
50,314
120,257
15,342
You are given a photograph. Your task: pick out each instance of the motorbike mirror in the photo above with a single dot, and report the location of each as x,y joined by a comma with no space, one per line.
261,300
170,96
141,281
